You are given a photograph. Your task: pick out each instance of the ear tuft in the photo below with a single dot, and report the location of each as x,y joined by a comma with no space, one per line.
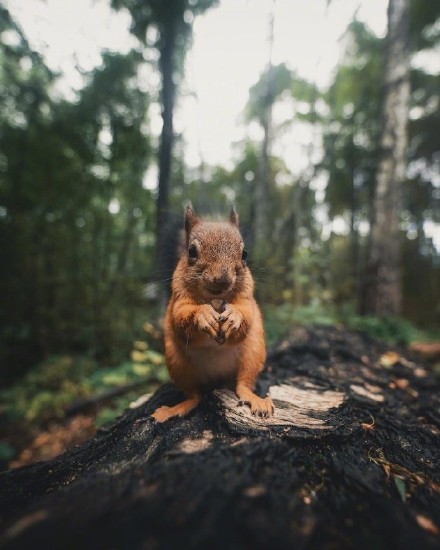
191,219
234,216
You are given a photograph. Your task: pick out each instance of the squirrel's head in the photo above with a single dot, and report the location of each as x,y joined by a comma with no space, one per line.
215,256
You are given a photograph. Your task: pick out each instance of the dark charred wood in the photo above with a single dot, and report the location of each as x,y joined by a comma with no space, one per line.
350,460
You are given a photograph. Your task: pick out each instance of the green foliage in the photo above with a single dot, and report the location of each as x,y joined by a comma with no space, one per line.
395,330
107,415
75,218
7,453
279,320
424,28
353,129
46,391
272,83
390,329
171,19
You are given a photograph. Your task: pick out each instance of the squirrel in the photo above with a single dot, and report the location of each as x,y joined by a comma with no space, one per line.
213,329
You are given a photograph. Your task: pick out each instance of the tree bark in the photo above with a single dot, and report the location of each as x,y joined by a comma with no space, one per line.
350,460
261,226
383,294
166,64
261,231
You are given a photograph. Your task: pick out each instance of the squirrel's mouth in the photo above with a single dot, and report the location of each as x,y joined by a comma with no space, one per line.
220,290
216,291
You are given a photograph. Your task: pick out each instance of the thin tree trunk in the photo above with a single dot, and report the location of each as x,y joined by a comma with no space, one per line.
166,64
261,218
124,252
383,293
354,235
261,230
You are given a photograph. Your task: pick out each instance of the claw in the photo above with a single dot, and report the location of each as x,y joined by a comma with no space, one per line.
263,408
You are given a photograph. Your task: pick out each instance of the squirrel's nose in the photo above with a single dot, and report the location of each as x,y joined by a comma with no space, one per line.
222,281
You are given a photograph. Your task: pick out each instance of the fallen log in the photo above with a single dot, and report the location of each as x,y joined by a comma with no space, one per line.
350,460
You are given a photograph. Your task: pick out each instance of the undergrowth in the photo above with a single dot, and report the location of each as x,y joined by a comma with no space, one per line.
395,330
44,393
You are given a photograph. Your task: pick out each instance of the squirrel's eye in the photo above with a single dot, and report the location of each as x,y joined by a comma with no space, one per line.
192,252
244,255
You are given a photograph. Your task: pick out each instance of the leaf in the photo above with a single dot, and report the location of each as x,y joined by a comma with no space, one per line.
368,427
141,370
155,357
427,524
140,345
389,359
138,356
400,486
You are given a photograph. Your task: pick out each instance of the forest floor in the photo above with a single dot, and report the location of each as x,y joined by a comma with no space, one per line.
48,443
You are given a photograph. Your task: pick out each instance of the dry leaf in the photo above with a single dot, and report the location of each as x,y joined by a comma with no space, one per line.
429,350
255,491
368,427
427,524
401,383
389,359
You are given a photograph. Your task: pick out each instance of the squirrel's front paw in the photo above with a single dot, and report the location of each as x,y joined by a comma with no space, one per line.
231,321
206,319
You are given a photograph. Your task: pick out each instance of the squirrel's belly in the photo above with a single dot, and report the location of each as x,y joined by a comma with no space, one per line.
213,363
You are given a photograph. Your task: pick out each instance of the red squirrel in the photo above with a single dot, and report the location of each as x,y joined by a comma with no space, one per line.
213,328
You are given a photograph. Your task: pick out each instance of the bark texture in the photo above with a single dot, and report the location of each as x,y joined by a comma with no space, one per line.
261,225
262,195
167,54
350,460
383,295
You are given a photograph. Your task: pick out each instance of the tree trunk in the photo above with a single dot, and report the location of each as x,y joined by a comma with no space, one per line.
383,293
354,236
261,231
261,226
166,64
350,460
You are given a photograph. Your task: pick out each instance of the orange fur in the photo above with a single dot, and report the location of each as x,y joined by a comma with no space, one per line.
193,329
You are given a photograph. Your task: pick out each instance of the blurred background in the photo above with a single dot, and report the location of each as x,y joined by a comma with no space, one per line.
319,120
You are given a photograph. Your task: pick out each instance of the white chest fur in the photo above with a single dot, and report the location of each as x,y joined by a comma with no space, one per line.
214,363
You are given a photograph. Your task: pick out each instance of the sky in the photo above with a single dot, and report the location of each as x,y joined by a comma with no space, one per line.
230,50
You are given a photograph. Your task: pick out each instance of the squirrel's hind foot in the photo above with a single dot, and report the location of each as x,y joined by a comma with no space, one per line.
259,406
161,414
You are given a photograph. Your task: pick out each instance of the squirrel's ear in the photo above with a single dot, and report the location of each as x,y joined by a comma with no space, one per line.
191,219
234,216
